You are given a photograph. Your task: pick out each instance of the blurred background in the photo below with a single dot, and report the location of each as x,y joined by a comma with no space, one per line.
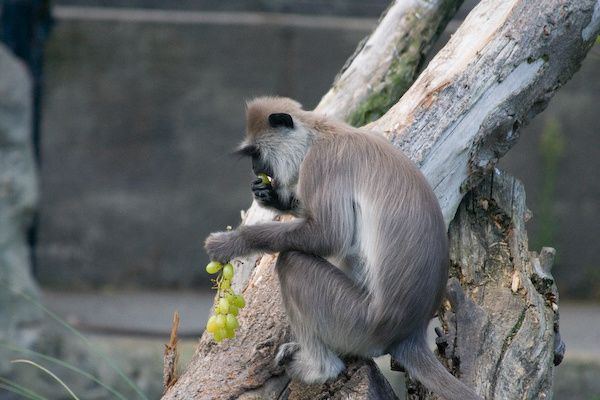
138,102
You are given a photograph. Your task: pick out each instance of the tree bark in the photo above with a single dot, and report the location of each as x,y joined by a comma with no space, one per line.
498,71
462,114
500,319
387,63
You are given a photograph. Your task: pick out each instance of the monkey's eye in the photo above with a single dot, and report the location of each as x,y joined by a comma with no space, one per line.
281,120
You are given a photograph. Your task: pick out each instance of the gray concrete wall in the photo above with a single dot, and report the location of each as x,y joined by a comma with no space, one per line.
138,118
372,8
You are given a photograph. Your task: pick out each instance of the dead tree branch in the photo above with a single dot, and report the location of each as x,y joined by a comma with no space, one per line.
461,115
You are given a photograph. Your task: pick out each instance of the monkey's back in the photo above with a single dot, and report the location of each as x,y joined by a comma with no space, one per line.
387,225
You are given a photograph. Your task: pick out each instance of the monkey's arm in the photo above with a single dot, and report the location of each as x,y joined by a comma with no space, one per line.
300,234
267,196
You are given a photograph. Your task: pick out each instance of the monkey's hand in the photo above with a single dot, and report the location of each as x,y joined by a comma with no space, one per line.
269,197
264,193
220,246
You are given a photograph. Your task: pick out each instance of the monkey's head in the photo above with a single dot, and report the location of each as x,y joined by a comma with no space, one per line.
277,138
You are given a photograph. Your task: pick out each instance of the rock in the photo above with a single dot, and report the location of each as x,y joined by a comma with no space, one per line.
20,318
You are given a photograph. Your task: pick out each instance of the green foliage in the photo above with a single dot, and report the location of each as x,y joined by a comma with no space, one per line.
46,370
552,143
14,387
552,149
27,393
64,365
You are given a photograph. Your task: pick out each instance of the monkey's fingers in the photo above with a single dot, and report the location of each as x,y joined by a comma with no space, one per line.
219,246
264,196
258,185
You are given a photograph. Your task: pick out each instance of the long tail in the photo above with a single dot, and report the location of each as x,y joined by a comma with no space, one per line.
416,357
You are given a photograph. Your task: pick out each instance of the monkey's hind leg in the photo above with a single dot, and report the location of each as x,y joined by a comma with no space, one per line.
311,362
326,311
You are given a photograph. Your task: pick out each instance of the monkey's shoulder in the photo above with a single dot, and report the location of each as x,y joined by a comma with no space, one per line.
358,145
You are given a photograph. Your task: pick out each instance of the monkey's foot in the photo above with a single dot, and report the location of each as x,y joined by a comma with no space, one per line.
310,368
286,353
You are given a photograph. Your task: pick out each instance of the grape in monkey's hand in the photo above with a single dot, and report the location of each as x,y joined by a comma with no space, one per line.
264,178
224,322
264,191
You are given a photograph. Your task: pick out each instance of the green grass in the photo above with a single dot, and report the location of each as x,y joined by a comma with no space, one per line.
27,393
64,365
552,150
46,370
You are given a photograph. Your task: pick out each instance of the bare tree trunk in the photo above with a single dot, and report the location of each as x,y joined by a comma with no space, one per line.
463,113
501,316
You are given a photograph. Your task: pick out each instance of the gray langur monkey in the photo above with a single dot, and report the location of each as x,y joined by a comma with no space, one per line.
363,268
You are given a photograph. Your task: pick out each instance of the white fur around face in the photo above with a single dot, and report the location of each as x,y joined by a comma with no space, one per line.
284,151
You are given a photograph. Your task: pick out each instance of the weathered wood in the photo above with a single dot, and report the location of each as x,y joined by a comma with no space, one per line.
228,369
498,71
501,315
462,114
387,63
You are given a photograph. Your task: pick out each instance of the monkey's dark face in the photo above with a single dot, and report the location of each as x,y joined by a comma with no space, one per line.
265,146
259,164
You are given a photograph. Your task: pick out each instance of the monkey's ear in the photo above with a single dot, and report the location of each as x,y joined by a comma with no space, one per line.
281,119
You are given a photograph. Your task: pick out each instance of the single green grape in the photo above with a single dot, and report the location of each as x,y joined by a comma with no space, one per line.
221,320
223,305
239,301
232,322
228,271
213,267
211,325
264,178
229,333
218,335
233,309
225,284
222,332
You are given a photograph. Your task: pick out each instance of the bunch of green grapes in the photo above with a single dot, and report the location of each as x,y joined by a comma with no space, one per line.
224,322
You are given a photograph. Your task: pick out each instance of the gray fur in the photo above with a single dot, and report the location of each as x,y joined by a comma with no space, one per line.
364,266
